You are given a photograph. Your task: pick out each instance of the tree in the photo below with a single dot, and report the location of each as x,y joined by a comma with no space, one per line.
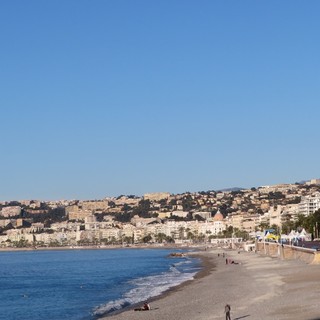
187,202
287,226
147,238
143,208
163,202
312,223
22,243
126,207
52,215
294,200
169,239
111,204
276,228
161,237
181,232
176,218
199,218
228,232
124,217
223,210
201,237
100,216
263,225
276,195
303,222
190,235
127,239
241,234
104,240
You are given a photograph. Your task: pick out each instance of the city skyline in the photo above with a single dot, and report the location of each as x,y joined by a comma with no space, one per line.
112,98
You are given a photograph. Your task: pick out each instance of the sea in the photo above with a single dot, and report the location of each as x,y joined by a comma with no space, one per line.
86,284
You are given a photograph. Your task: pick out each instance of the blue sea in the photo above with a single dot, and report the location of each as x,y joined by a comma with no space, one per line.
85,284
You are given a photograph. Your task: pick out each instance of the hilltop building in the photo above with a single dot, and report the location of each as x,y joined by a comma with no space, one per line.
156,196
313,181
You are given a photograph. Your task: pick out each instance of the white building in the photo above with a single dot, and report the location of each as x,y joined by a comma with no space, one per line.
313,181
309,204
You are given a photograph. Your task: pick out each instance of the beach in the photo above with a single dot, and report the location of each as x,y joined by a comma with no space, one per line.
257,287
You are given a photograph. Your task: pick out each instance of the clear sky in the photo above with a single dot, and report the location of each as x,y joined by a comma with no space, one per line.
103,98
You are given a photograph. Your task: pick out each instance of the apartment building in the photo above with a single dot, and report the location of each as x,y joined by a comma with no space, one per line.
309,204
156,196
313,181
10,211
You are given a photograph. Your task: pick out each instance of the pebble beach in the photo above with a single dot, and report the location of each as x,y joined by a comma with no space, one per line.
257,287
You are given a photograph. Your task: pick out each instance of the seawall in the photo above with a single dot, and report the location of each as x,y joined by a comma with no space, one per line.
287,252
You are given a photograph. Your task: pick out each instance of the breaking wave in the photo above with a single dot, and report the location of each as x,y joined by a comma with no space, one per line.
144,288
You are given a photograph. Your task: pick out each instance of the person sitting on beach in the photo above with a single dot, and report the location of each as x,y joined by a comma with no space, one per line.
145,307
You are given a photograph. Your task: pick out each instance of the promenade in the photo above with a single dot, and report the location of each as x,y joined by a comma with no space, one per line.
257,287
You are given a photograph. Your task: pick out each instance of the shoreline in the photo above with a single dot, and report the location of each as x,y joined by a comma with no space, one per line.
107,247
206,268
257,287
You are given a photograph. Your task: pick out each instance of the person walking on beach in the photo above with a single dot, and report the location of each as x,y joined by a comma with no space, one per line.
227,310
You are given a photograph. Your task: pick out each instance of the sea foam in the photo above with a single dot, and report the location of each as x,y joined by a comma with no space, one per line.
144,288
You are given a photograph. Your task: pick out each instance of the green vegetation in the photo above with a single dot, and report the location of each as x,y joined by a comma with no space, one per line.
310,223
50,215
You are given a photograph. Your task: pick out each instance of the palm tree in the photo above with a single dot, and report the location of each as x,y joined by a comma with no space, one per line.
128,240
147,238
181,232
190,235
201,237
160,237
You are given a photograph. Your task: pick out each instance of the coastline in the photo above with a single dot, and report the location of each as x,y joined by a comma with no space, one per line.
207,266
257,287
106,247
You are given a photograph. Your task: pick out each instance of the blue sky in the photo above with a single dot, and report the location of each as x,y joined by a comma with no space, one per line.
103,98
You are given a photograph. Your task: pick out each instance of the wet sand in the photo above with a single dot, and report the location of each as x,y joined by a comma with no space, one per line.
258,287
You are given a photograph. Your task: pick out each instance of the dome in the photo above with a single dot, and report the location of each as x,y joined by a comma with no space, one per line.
218,216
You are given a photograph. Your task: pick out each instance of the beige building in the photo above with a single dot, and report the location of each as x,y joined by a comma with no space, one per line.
313,181
245,222
275,216
156,196
277,188
4,223
235,221
94,205
203,214
77,213
249,223
10,211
